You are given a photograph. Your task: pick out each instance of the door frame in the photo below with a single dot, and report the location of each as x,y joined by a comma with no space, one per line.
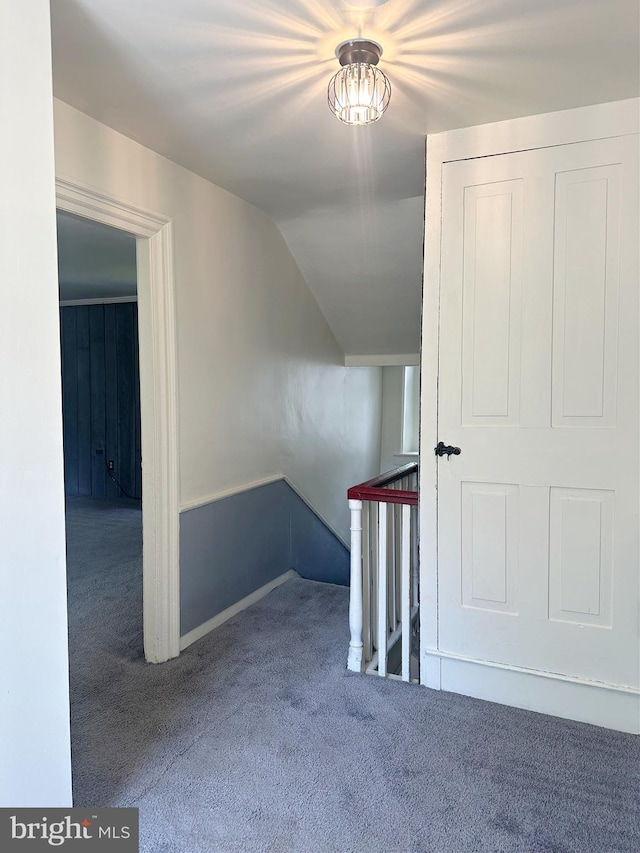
540,131
158,405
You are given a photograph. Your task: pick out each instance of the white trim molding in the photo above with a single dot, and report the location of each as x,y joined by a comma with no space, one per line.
581,124
105,300
316,512
598,703
397,360
238,607
158,403
229,492
256,484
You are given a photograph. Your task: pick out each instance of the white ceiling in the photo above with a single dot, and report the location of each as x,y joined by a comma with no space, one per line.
235,90
94,261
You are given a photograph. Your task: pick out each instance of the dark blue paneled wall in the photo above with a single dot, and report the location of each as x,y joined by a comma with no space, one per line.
231,547
101,399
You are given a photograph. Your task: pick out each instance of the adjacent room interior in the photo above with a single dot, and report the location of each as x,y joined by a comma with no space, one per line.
102,446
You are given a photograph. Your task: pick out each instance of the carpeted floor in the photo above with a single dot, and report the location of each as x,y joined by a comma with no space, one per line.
257,739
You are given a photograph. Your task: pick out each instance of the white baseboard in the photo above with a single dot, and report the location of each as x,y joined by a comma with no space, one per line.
245,602
597,703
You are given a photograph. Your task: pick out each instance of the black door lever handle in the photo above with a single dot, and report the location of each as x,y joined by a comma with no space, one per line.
447,450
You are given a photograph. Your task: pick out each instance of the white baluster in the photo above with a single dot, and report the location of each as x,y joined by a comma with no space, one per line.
415,572
354,660
397,538
391,567
382,589
373,542
405,564
366,584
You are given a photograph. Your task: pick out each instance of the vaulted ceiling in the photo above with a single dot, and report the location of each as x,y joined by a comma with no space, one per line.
235,90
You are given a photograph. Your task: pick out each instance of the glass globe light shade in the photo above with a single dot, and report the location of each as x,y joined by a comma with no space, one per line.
359,93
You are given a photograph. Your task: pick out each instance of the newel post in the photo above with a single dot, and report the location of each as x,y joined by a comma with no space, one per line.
354,661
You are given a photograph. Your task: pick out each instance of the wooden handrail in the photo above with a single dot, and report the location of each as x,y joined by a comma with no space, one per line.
373,490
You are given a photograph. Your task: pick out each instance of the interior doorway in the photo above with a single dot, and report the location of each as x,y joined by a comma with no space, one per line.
529,533
100,360
102,472
158,405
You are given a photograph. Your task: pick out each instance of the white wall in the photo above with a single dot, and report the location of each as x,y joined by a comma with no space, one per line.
34,701
391,435
262,386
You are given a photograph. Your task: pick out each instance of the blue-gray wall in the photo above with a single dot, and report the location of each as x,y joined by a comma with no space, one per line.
101,399
232,547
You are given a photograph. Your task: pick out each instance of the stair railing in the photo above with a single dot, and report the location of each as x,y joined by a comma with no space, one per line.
384,599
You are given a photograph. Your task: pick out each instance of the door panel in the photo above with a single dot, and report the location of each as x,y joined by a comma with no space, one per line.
585,297
538,384
491,303
489,527
581,525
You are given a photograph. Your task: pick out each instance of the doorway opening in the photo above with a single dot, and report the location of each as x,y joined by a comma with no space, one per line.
101,428
100,364
153,236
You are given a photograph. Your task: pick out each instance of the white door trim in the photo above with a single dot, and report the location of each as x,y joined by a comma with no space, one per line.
561,128
583,124
158,404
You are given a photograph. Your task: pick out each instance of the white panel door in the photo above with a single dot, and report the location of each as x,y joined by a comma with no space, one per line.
538,517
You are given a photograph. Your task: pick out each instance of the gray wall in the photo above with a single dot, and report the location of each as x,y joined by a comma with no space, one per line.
232,547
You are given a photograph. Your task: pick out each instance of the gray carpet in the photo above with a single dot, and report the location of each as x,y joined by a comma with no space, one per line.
257,739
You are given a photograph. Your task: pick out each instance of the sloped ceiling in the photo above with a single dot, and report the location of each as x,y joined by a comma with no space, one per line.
236,91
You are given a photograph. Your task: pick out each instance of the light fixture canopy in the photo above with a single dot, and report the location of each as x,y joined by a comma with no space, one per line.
359,93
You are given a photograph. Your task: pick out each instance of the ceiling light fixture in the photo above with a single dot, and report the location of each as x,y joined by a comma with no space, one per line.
359,93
